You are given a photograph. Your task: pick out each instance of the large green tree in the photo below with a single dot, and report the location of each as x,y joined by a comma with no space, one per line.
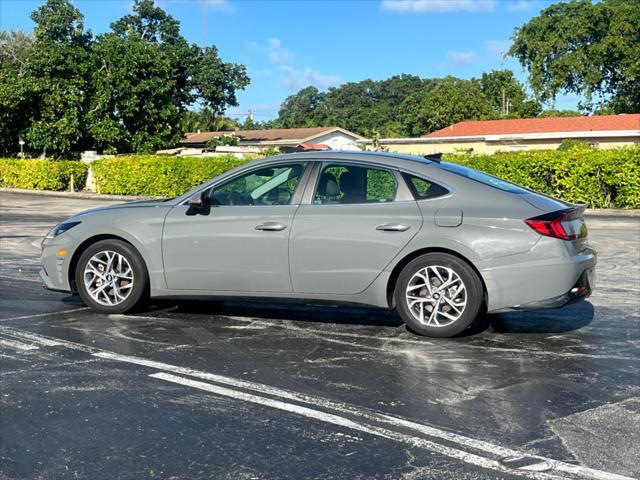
126,90
300,110
147,75
57,78
584,48
15,99
362,107
507,95
448,101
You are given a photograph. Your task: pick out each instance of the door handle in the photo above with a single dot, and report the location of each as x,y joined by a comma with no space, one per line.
271,227
393,227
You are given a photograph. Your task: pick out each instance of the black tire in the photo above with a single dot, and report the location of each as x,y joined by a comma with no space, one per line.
138,294
473,288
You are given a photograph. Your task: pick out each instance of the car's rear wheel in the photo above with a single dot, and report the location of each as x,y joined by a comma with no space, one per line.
111,277
438,295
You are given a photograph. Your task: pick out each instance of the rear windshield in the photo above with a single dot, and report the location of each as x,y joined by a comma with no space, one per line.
483,178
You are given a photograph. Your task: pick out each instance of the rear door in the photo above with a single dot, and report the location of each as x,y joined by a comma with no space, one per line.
358,220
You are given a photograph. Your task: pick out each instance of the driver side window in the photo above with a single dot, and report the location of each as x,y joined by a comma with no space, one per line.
273,185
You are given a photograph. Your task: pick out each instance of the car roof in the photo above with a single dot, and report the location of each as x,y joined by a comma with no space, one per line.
382,158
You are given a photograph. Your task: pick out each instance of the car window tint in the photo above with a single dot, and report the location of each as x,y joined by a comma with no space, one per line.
481,177
339,184
423,189
266,186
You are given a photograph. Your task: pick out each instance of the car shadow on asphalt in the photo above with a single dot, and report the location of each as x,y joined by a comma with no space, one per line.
552,321
566,319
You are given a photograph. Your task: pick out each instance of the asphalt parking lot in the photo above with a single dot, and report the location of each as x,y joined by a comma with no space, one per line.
244,390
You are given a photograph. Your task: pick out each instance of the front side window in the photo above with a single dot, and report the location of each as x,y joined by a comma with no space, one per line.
340,184
265,186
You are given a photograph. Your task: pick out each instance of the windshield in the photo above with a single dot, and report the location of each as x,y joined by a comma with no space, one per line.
483,178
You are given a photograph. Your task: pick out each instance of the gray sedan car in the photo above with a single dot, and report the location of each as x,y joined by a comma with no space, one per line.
436,241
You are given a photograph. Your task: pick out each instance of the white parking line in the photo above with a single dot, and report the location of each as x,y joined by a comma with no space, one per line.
44,314
15,345
463,456
495,451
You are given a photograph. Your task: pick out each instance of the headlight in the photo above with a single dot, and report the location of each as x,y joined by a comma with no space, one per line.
60,229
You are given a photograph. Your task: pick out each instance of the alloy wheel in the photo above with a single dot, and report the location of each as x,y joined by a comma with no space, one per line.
436,296
108,278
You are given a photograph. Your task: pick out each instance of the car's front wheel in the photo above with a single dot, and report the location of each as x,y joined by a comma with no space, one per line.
438,295
111,277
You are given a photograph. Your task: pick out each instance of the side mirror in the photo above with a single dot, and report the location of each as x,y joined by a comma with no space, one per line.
198,205
196,201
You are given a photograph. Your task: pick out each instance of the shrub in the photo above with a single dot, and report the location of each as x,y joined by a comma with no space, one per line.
42,174
157,176
599,178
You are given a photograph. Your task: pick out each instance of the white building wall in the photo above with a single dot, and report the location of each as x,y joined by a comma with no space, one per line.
337,141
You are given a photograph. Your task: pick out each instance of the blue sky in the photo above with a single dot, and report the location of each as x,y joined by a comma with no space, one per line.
288,45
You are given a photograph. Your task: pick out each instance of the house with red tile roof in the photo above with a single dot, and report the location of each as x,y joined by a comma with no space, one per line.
490,136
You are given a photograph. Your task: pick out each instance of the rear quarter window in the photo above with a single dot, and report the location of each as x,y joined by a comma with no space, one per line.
423,189
483,178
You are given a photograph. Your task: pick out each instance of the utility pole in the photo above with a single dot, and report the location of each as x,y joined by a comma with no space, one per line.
503,107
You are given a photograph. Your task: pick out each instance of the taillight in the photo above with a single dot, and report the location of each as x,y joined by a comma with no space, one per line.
563,224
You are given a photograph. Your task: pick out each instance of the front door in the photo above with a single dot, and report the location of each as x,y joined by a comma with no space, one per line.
351,231
240,241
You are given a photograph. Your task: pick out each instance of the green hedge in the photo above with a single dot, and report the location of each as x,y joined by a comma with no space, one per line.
42,174
157,176
599,178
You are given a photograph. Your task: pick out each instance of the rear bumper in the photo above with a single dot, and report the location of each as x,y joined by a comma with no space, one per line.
581,290
545,278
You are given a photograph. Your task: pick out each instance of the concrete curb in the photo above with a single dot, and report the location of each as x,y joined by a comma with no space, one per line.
590,212
83,195
612,213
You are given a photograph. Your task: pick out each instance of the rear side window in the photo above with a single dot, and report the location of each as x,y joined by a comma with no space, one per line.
484,178
423,189
342,183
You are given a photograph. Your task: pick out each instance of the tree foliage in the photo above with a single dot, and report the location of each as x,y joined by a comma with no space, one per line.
15,101
206,120
407,104
589,49
449,101
125,90
507,95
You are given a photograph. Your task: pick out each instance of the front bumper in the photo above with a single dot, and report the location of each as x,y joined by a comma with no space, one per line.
581,290
48,284
55,259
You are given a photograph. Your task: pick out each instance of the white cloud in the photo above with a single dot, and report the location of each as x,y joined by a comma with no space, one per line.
461,59
293,78
498,48
438,6
278,54
519,5
296,79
